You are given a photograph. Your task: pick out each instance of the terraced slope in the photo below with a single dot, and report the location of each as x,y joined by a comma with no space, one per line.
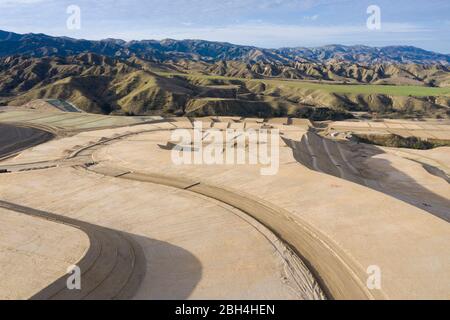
17,138
371,166
68,121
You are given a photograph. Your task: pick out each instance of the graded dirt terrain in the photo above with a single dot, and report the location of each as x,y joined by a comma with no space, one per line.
38,249
193,246
16,138
214,231
179,234
383,169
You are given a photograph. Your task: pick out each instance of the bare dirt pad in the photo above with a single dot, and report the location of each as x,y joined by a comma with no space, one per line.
194,246
14,138
35,252
357,226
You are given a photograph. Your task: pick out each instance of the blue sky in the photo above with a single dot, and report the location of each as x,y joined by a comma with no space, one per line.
265,23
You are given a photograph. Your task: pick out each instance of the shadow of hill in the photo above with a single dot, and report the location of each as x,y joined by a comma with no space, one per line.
329,156
119,265
172,273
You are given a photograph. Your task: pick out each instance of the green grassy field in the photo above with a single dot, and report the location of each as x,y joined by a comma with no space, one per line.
415,91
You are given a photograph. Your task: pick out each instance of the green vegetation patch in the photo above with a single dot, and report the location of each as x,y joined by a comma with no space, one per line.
390,90
396,141
415,91
322,114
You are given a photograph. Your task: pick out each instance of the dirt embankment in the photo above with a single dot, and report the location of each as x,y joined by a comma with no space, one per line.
16,138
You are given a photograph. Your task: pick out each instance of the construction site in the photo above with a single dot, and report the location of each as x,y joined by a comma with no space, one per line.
103,194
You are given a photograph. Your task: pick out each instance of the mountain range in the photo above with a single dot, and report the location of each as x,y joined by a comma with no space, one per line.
41,45
202,78
101,84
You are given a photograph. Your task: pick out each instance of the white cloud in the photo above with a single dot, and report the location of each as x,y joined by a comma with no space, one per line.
265,23
11,7
11,3
311,18
286,35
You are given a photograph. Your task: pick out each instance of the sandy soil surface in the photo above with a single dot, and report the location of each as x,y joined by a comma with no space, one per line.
35,105
406,242
330,220
35,252
413,177
194,247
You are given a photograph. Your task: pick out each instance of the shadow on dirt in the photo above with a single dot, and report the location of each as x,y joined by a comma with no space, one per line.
358,163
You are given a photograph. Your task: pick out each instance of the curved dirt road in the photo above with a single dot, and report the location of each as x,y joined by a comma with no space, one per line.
335,273
356,231
292,264
338,276
376,232
112,268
